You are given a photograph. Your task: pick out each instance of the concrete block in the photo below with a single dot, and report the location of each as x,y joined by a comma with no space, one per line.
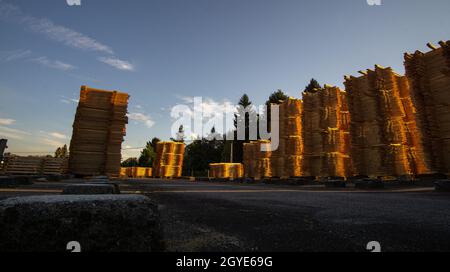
99,223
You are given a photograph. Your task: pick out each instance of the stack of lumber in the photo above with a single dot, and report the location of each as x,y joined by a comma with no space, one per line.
98,132
429,78
55,166
382,119
16,165
286,160
136,172
257,163
249,160
169,160
226,170
124,172
326,134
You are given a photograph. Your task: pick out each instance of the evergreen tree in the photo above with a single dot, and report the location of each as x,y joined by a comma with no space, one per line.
154,142
200,153
237,145
64,151
275,98
61,152
147,156
313,86
58,152
130,162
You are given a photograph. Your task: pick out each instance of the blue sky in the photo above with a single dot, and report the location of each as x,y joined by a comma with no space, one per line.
164,51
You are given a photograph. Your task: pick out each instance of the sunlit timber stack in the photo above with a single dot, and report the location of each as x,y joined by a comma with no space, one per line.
382,121
249,160
290,151
169,160
98,131
226,170
136,172
326,134
429,77
260,161
257,160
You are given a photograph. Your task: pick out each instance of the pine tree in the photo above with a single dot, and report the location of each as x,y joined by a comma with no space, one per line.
275,98
313,86
58,152
147,156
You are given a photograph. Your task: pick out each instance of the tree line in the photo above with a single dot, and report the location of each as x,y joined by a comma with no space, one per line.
201,152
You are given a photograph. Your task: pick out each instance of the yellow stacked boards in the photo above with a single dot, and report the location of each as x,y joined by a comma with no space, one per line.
382,116
136,172
257,163
226,170
326,134
287,160
429,78
169,160
98,131
260,161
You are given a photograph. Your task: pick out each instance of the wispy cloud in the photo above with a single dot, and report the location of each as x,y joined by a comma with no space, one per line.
67,36
52,142
58,135
6,121
209,107
67,100
142,118
8,56
11,133
54,64
53,139
117,63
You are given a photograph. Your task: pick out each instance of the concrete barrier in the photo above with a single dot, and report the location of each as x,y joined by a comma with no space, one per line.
99,223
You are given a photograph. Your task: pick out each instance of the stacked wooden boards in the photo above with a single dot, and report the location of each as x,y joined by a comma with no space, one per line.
287,160
260,161
257,163
16,165
226,170
169,159
429,77
98,132
326,134
55,166
382,118
136,172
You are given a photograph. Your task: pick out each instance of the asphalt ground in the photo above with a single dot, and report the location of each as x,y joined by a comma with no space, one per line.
217,217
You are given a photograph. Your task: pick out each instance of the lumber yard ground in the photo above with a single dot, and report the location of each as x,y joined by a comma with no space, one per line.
213,216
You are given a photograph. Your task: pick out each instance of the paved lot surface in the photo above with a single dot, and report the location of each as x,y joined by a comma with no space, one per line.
238,217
